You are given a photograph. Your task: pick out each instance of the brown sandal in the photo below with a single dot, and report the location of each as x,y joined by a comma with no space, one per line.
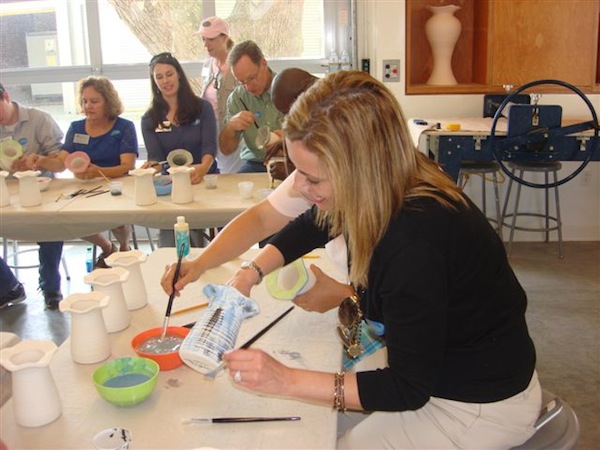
100,263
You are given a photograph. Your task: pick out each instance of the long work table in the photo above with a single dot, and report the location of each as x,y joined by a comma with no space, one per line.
302,339
61,218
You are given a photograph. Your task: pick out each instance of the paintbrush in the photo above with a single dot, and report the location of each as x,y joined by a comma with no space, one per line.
239,419
103,176
189,308
172,296
246,108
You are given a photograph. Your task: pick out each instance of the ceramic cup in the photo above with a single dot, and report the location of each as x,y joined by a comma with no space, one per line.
246,188
116,187
112,439
210,181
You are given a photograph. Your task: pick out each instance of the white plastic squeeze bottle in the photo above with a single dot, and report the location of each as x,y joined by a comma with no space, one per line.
182,235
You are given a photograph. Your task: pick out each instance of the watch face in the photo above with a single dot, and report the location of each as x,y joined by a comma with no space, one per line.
245,265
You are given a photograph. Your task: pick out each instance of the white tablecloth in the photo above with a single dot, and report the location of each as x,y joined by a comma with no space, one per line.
301,339
65,219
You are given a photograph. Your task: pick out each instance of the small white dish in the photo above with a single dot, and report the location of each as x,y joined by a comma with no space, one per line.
43,183
112,439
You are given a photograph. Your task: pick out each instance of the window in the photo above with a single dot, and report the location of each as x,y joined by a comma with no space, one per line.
48,45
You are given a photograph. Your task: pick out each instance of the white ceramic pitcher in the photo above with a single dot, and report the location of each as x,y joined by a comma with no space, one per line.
134,288
182,184
4,194
89,338
29,190
116,315
145,193
35,397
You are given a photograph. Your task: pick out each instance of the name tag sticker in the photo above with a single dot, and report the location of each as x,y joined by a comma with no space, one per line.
81,139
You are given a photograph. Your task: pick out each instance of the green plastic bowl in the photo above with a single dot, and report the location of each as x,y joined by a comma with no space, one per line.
126,381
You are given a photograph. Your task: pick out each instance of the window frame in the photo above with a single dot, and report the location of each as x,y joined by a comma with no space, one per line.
333,39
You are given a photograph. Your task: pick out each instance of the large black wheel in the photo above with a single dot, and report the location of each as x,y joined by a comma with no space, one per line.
540,144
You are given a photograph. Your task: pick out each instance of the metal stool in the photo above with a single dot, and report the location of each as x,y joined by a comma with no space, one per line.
561,432
481,168
540,167
15,258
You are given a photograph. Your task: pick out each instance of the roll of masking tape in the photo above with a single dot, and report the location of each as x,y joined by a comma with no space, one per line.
453,126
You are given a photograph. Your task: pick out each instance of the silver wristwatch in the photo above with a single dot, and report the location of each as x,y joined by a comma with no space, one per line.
253,266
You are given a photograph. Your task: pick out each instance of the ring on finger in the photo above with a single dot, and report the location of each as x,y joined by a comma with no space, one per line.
237,377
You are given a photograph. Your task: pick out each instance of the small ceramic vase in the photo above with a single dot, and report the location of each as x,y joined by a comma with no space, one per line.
134,288
145,193
35,396
89,338
116,315
4,194
182,184
29,190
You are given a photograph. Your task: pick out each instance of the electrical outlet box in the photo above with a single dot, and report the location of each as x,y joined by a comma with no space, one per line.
391,70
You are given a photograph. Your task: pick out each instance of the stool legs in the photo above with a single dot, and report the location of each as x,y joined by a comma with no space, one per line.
497,202
546,216
558,219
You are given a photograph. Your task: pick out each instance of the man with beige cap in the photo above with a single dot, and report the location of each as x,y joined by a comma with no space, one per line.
218,81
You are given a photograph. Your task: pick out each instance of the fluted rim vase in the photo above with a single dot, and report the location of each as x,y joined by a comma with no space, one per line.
442,30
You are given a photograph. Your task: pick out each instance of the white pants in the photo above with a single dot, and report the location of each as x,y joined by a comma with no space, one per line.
446,424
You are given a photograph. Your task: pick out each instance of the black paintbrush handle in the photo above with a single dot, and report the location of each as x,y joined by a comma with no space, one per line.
246,108
175,278
253,419
265,329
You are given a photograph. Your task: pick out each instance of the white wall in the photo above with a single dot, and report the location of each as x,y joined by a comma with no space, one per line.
381,35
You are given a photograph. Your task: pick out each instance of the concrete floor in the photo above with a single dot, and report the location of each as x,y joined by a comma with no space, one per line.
563,316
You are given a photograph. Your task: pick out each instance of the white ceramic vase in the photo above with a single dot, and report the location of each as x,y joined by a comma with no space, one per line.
442,30
89,339
4,194
29,190
182,184
116,314
134,288
145,193
35,397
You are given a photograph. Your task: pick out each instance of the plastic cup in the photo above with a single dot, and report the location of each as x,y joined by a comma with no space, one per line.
246,188
210,181
116,187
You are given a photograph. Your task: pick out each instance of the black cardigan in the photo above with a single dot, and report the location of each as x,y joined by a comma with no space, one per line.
453,310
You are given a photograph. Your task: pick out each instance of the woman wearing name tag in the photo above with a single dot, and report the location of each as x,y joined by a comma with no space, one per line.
111,143
178,119
432,279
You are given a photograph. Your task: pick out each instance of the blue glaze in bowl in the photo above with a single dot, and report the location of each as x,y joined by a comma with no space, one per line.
163,186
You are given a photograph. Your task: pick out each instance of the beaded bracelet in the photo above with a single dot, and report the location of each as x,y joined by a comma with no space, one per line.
339,401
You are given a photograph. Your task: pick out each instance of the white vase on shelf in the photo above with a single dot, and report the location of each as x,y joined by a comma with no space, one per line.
442,30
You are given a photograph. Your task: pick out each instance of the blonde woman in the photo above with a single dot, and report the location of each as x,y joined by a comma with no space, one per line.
431,275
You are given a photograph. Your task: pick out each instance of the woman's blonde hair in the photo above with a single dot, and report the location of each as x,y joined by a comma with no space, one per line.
355,126
107,90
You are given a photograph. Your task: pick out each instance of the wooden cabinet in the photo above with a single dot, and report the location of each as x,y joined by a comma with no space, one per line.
509,42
